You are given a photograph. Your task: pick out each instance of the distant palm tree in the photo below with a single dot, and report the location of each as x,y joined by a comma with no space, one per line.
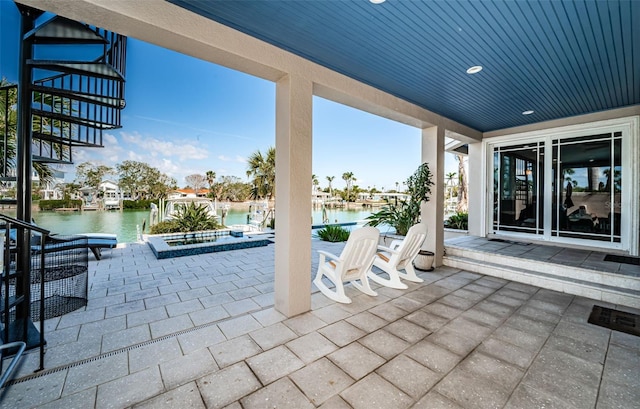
349,179
315,182
210,176
462,185
450,188
262,170
330,179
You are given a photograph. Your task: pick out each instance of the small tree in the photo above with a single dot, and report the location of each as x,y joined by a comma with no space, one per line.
406,213
88,174
196,181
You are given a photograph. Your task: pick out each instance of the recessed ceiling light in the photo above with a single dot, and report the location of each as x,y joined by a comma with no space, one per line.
377,1
475,69
529,112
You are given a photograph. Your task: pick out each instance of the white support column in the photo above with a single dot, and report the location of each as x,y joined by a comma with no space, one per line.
476,197
432,212
294,96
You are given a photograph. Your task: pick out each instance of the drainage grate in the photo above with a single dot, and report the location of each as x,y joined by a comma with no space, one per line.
622,259
616,320
121,350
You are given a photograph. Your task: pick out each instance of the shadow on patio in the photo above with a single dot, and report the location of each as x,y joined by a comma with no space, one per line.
201,332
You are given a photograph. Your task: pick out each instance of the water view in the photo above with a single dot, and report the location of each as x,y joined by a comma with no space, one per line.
124,224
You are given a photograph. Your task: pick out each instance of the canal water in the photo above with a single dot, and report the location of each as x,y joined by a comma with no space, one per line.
125,224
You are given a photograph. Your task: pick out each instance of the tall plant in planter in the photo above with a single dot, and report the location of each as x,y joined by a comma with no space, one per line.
405,213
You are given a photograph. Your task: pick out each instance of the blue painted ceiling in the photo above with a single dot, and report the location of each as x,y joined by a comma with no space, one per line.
557,58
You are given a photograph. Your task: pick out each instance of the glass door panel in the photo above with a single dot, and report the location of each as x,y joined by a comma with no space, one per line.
517,186
587,175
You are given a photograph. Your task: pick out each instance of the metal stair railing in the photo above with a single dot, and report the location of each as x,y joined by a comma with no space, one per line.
73,107
17,346
15,292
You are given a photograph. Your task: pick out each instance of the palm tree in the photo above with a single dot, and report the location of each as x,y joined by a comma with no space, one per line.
8,122
315,182
450,188
330,179
210,176
349,179
462,185
262,170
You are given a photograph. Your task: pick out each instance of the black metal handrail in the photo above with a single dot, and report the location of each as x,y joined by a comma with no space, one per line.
21,298
20,346
26,225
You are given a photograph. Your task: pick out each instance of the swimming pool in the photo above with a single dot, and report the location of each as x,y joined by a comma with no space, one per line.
189,244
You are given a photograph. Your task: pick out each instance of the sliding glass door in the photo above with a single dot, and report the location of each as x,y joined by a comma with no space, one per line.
582,177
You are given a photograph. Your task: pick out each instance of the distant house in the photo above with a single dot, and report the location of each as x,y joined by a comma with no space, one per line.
111,194
188,192
382,197
49,190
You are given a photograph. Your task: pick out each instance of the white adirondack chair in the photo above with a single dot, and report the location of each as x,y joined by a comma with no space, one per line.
399,256
351,266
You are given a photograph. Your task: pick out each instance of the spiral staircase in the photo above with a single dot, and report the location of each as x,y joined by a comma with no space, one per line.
72,77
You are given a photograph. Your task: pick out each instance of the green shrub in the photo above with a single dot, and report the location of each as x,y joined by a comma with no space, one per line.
195,218
170,226
459,221
59,204
188,219
333,233
138,204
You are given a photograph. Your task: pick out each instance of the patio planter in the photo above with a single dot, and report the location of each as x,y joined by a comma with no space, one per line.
424,260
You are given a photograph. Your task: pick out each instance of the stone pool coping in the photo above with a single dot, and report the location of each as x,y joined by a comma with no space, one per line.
162,250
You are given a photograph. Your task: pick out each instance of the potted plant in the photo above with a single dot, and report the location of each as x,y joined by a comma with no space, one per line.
405,213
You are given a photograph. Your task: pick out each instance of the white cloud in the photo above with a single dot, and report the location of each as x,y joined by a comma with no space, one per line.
238,158
158,147
131,155
110,141
175,158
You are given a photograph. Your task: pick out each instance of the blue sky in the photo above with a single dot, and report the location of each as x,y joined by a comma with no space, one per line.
186,116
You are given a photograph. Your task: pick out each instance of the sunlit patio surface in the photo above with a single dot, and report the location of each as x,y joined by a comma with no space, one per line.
201,331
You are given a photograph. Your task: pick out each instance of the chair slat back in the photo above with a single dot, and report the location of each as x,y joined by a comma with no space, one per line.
358,253
412,242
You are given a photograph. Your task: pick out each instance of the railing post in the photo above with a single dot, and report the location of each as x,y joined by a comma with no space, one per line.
24,161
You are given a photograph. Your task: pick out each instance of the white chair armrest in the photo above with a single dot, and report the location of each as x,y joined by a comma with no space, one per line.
395,244
387,249
325,254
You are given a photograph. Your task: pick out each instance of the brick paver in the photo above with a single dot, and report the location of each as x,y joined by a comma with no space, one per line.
201,332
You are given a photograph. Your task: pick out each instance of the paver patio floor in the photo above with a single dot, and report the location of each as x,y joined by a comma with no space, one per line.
196,332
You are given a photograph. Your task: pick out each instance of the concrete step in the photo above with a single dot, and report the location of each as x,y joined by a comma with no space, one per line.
569,271
597,285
